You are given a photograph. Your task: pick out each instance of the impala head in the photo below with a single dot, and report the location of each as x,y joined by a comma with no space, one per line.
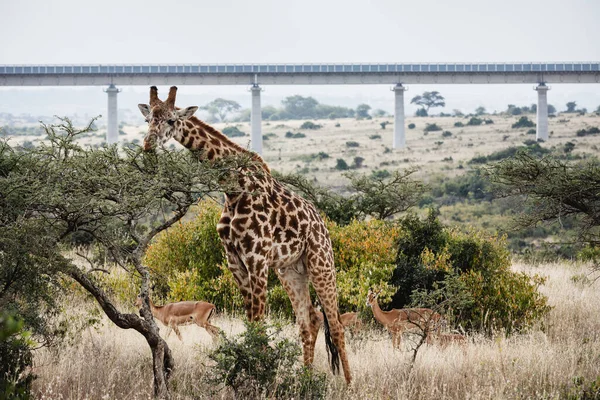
372,297
138,302
164,120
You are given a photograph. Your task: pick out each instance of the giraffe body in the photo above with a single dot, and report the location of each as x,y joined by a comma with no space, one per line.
263,226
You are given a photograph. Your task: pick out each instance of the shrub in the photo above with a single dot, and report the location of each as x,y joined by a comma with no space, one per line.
488,121
523,122
310,125
459,124
16,359
357,162
446,134
411,126
364,253
421,112
432,128
233,131
376,136
341,165
590,131
384,124
185,247
258,364
430,253
531,132
352,144
474,121
293,135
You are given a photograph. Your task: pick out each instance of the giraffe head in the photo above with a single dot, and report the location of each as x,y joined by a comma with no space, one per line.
164,119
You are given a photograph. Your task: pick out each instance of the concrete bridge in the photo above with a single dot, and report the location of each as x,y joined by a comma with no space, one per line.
255,75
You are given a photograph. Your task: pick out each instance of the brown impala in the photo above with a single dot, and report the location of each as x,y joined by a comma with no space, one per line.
173,315
349,319
397,321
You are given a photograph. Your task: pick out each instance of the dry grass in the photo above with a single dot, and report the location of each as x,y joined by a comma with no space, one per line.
109,363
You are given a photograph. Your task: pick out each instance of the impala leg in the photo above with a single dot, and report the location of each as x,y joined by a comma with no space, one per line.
176,329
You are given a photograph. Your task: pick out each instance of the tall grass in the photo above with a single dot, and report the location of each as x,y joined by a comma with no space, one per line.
545,363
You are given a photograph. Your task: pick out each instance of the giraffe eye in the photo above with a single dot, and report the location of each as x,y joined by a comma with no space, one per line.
171,122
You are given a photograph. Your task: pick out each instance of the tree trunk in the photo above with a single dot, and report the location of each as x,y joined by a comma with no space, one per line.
162,358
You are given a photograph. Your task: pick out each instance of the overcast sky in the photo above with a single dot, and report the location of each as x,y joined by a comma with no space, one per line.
279,31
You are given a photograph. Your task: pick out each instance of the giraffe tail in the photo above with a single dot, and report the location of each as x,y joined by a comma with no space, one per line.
332,351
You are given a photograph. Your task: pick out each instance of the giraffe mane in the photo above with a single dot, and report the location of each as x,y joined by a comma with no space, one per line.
222,137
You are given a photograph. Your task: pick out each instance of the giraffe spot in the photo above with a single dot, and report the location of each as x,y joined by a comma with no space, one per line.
297,202
238,223
201,133
290,207
211,154
282,220
293,223
190,142
248,242
215,142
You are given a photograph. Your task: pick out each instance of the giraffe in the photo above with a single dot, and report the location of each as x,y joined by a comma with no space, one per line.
263,226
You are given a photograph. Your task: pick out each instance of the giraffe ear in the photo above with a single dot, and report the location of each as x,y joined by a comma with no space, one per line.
145,109
186,112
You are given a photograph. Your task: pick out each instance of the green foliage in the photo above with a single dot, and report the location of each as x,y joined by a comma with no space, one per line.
362,111
533,148
429,254
590,131
488,121
428,100
341,164
582,389
446,134
220,108
431,128
421,112
384,124
292,135
375,136
571,106
258,364
474,121
523,122
357,162
16,359
310,125
233,131
459,124
411,126
352,144
364,253
531,132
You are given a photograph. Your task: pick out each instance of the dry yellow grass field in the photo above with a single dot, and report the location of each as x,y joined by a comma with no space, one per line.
110,363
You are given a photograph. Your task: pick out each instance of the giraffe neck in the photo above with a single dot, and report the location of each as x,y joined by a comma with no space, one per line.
195,134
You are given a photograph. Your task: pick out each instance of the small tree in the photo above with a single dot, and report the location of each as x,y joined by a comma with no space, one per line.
362,111
480,111
428,100
221,108
571,106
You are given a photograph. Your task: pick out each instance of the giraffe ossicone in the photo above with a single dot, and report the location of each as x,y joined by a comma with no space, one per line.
263,226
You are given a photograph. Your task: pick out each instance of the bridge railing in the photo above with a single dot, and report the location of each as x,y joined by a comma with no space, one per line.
300,68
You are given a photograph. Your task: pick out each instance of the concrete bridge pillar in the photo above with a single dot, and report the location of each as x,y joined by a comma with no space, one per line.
256,120
399,141
542,112
112,127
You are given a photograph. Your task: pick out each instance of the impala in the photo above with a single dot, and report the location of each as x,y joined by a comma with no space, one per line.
349,319
397,321
173,315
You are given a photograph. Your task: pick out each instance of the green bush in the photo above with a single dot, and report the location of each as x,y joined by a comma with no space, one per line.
376,136
432,128
352,144
16,359
590,131
430,253
341,164
259,364
292,135
233,131
474,121
523,122
310,125
446,134
187,246
364,253
459,124
411,126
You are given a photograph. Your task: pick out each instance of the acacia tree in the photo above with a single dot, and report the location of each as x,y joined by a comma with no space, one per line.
221,108
552,190
571,106
428,100
117,200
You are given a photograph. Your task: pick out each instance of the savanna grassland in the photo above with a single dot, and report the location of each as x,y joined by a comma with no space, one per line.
558,359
